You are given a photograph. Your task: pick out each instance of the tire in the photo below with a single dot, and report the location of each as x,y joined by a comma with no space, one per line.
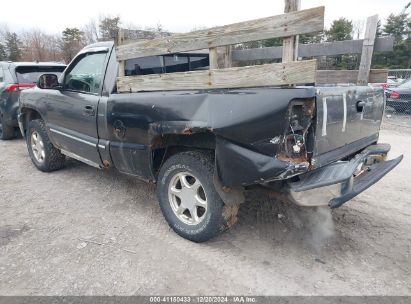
197,170
51,159
6,132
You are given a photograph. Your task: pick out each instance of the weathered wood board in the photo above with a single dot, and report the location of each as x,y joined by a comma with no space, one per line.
382,44
276,74
227,56
367,50
294,23
290,44
349,76
213,58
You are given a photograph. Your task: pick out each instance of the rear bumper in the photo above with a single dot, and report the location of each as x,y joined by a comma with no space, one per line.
337,183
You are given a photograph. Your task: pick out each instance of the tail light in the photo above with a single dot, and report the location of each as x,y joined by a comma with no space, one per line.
298,138
18,87
384,85
394,95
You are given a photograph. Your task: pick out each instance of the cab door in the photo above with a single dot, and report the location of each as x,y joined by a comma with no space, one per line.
72,111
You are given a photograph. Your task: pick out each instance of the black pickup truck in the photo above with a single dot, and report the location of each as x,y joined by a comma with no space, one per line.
314,146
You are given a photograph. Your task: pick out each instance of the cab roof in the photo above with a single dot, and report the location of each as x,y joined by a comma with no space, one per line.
17,64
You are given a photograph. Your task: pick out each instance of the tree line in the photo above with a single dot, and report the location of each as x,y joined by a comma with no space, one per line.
396,25
37,45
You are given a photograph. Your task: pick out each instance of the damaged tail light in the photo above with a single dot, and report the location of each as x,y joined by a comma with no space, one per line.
18,87
299,134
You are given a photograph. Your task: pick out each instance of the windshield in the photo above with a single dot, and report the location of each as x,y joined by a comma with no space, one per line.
30,74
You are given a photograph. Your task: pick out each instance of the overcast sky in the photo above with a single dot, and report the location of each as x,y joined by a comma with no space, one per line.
175,15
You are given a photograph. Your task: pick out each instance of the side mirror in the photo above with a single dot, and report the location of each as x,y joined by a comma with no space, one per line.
48,81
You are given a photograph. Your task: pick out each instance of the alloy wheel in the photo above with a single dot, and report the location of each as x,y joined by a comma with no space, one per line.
187,198
37,146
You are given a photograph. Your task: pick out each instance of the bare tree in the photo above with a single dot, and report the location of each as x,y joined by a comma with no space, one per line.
4,30
34,45
358,28
90,31
40,46
54,52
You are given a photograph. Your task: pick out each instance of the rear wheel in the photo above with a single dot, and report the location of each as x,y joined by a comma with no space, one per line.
188,199
6,132
42,152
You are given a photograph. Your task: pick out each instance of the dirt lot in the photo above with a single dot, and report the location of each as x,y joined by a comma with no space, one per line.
84,231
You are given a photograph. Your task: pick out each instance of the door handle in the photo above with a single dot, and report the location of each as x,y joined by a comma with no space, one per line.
89,110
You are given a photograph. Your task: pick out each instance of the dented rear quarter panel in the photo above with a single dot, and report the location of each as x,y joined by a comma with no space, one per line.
249,118
249,126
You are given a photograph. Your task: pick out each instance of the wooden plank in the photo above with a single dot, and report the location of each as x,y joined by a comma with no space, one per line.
121,63
367,50
121,68
349,76
382,44
275,74
301,22
227,56
290,44
213,58
220,57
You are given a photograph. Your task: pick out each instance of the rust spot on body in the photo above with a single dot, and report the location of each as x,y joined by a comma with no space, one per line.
106,163
187,131
293,160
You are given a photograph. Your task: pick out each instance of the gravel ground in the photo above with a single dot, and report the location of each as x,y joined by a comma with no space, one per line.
81,231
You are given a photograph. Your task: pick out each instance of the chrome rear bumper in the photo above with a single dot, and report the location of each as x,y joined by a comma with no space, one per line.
337,183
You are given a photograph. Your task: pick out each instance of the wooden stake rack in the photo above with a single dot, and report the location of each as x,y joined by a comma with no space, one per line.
288,73
276,74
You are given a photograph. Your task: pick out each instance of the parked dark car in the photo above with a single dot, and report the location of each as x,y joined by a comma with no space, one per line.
15,77
399,98
315,146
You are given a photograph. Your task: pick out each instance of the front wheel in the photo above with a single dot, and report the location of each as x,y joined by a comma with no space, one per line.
43,154
188,199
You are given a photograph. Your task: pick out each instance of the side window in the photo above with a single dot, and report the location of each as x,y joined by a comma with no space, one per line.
144,66
199,62
171,63
176,63
87,74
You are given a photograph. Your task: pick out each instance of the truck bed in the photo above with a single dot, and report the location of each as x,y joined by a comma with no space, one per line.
255,129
